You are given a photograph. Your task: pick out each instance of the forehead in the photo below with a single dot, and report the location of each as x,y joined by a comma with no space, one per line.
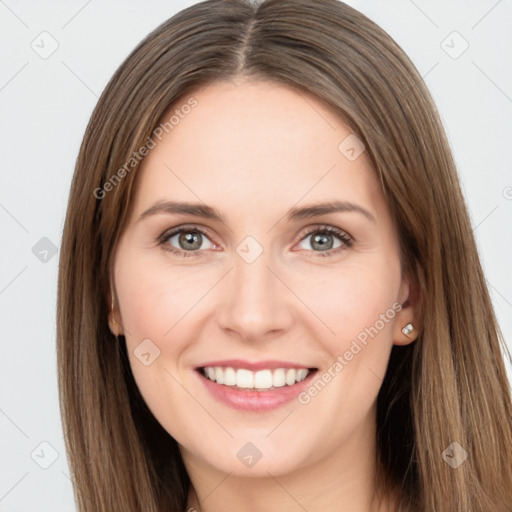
253,143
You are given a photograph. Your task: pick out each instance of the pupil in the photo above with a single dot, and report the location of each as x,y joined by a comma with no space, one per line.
189,238
323,243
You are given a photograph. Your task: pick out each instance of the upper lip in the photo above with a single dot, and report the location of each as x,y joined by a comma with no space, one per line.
254,365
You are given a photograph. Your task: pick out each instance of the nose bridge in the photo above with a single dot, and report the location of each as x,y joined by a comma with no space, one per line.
253,279
256,301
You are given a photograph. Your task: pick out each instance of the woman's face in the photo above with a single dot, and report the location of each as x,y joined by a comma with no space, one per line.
266,288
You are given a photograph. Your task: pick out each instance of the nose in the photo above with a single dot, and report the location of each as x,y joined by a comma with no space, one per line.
256,304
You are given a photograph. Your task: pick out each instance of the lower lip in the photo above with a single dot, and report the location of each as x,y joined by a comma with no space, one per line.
255,401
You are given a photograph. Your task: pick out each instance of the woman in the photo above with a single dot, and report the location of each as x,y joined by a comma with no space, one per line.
269,291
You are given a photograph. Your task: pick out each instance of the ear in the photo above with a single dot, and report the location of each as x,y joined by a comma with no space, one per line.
408,322
114,317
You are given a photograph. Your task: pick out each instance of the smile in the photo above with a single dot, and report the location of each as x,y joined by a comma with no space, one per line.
254,387
262,380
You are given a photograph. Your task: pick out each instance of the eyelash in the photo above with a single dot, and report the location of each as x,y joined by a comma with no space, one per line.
331,230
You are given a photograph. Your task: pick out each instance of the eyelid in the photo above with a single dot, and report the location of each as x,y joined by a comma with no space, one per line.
185,227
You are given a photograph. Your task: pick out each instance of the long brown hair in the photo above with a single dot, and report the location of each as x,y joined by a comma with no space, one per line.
448,386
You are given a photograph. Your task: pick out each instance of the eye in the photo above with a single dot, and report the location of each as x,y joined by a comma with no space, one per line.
322,239
188,238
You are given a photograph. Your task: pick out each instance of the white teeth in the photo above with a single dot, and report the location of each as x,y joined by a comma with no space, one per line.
290,376
301,374
229,377
244,378
278,379
263,379
260,380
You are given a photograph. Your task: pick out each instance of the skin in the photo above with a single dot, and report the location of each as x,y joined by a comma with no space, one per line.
253,150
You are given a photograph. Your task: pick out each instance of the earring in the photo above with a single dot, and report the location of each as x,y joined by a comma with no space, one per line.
408,329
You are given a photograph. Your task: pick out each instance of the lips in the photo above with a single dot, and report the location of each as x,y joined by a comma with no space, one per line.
254,386
254,375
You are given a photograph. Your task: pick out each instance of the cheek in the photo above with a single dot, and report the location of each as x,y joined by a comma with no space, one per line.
154,300
154,297
359,306
353,298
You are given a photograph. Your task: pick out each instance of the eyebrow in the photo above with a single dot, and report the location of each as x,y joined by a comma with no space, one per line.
294,214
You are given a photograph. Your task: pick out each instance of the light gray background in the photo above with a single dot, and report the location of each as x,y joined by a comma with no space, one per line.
45,106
